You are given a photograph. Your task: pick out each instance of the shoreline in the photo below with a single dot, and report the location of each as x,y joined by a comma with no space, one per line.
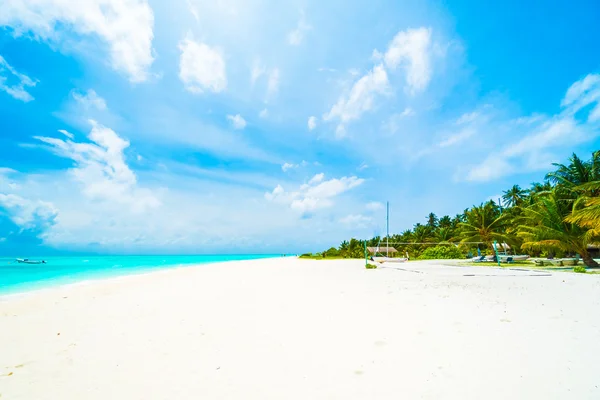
56,283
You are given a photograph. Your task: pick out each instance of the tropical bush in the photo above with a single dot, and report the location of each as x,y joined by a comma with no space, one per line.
580,269
370,266
447,252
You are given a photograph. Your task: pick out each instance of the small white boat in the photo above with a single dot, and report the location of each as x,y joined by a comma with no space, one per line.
28,261
518,257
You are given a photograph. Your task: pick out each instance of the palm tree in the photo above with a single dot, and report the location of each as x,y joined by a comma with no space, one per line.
514,196
344,248
587,210
445,222
483,224
544,227
577,172
445,234
432,221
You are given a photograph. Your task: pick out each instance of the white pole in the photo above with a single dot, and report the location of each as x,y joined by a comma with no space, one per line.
387,234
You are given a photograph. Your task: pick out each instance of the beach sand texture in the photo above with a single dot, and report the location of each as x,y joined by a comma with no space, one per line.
301,329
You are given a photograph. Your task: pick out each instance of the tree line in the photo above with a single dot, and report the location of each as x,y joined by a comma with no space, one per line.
558,217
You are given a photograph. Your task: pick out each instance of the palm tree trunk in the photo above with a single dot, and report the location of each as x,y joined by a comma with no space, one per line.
588,260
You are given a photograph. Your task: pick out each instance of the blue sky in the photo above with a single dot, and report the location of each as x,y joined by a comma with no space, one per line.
194,126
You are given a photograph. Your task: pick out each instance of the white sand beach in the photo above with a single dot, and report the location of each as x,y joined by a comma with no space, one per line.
301,329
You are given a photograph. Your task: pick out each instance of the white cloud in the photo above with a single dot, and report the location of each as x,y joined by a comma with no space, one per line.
356,220
316,194
316,179
201,67
126,26
530,152
583,93
287,166
101,169
363,166
374,206
411,49
360,98
28,214
296,36
312,123
264,113
237,121
89,99
566,129
273,83
67,134
20,81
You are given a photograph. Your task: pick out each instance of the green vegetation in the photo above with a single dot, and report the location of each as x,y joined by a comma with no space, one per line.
440,253
580,270
370,266
559,217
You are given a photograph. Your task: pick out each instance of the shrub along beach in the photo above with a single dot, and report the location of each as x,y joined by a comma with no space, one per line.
557,218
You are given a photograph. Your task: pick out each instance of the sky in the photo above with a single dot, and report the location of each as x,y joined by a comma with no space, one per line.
255,126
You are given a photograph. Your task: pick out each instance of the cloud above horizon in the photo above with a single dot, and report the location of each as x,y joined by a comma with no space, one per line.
126,26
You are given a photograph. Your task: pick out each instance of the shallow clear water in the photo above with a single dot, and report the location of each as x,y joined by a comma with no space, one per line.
15,277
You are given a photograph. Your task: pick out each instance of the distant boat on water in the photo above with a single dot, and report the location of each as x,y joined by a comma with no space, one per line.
28,261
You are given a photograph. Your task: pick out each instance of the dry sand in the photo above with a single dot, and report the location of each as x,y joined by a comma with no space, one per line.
297,329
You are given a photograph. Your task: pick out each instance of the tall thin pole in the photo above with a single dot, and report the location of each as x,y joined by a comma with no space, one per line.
387,233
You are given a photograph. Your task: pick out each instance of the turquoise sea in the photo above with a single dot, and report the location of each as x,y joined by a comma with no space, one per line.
15,277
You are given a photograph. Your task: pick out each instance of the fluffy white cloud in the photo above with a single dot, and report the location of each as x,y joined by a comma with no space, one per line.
19,81
101,169
126,26
296,36
411,49
201,67
89,99
28,214
316,194
264,113
237,121
312,123
360,98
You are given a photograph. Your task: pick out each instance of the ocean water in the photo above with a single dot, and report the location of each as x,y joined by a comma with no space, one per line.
15,277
